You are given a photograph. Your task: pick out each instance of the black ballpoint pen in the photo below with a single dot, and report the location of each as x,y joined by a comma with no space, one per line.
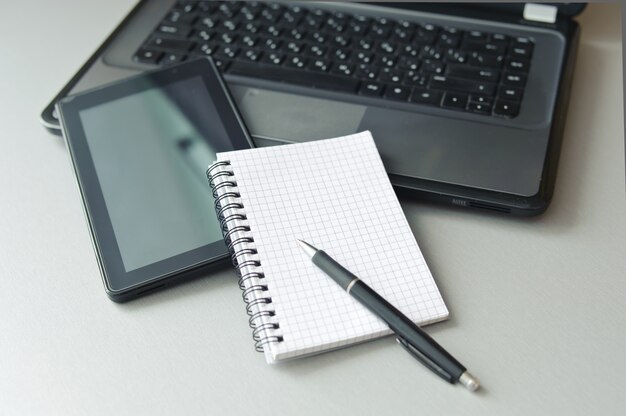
409,335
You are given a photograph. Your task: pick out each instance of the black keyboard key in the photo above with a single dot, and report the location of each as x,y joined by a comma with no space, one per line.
517,65
269,16
476,35
276,7
506,108
386,47
451,31
204,35
182,18
510,93
454,100
449,38
336,23
293,61
293,16
228,10
403,32
397,92
208,22
230,25
407,62
481,99
312,22
291,76
485,60
343,69
270,44
172,58
424,96
317,37
227,52
248,13
430,66
521,50
296,34
458,84
380,31
316,50
172,44
524,40
498,38
431,52
416,79
455,57
148,56
274,58
228,38
365,44
385,60
482,47
340,54
481,74
411,51
222,64
185,6
479,108
358,26
363,57
391,75
514,79
371,88
272,30
249,40
319,13
321,65
206,49
252,27
179,31
426,35
366,71
293,46
340,40
250,55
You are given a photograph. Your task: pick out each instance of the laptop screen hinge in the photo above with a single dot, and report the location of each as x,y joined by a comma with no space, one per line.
540,12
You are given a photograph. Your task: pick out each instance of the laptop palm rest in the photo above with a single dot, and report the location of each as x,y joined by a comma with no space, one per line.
495,157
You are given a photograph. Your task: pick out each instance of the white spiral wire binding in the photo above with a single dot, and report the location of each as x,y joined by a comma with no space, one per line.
238,238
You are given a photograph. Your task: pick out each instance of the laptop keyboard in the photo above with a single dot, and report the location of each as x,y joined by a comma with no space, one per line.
423,64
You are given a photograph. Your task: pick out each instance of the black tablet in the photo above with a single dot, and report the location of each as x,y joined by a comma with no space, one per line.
140,149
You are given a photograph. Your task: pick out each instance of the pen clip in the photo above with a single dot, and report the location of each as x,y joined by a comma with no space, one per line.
421,357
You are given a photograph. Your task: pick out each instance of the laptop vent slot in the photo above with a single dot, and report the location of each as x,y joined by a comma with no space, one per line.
490,207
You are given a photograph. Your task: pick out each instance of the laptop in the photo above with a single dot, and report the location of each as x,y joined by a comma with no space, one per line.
466,102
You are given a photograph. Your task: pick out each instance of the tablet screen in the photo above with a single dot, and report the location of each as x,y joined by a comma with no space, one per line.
150,153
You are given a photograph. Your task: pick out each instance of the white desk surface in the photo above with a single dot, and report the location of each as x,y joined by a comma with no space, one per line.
538,305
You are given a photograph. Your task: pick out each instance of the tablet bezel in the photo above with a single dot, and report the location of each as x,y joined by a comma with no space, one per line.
119,283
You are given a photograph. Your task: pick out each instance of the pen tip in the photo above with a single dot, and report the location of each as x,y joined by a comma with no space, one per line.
469,381
309,249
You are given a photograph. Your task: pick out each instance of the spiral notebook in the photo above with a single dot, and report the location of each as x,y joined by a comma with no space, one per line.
336,195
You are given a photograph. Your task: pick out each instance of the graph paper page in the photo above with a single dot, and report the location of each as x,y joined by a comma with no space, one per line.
335,195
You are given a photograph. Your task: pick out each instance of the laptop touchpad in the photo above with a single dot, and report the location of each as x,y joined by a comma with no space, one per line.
295,118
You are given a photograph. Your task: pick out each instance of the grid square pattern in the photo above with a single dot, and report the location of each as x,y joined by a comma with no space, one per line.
334,194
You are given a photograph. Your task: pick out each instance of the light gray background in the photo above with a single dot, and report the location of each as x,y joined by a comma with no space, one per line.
537,305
